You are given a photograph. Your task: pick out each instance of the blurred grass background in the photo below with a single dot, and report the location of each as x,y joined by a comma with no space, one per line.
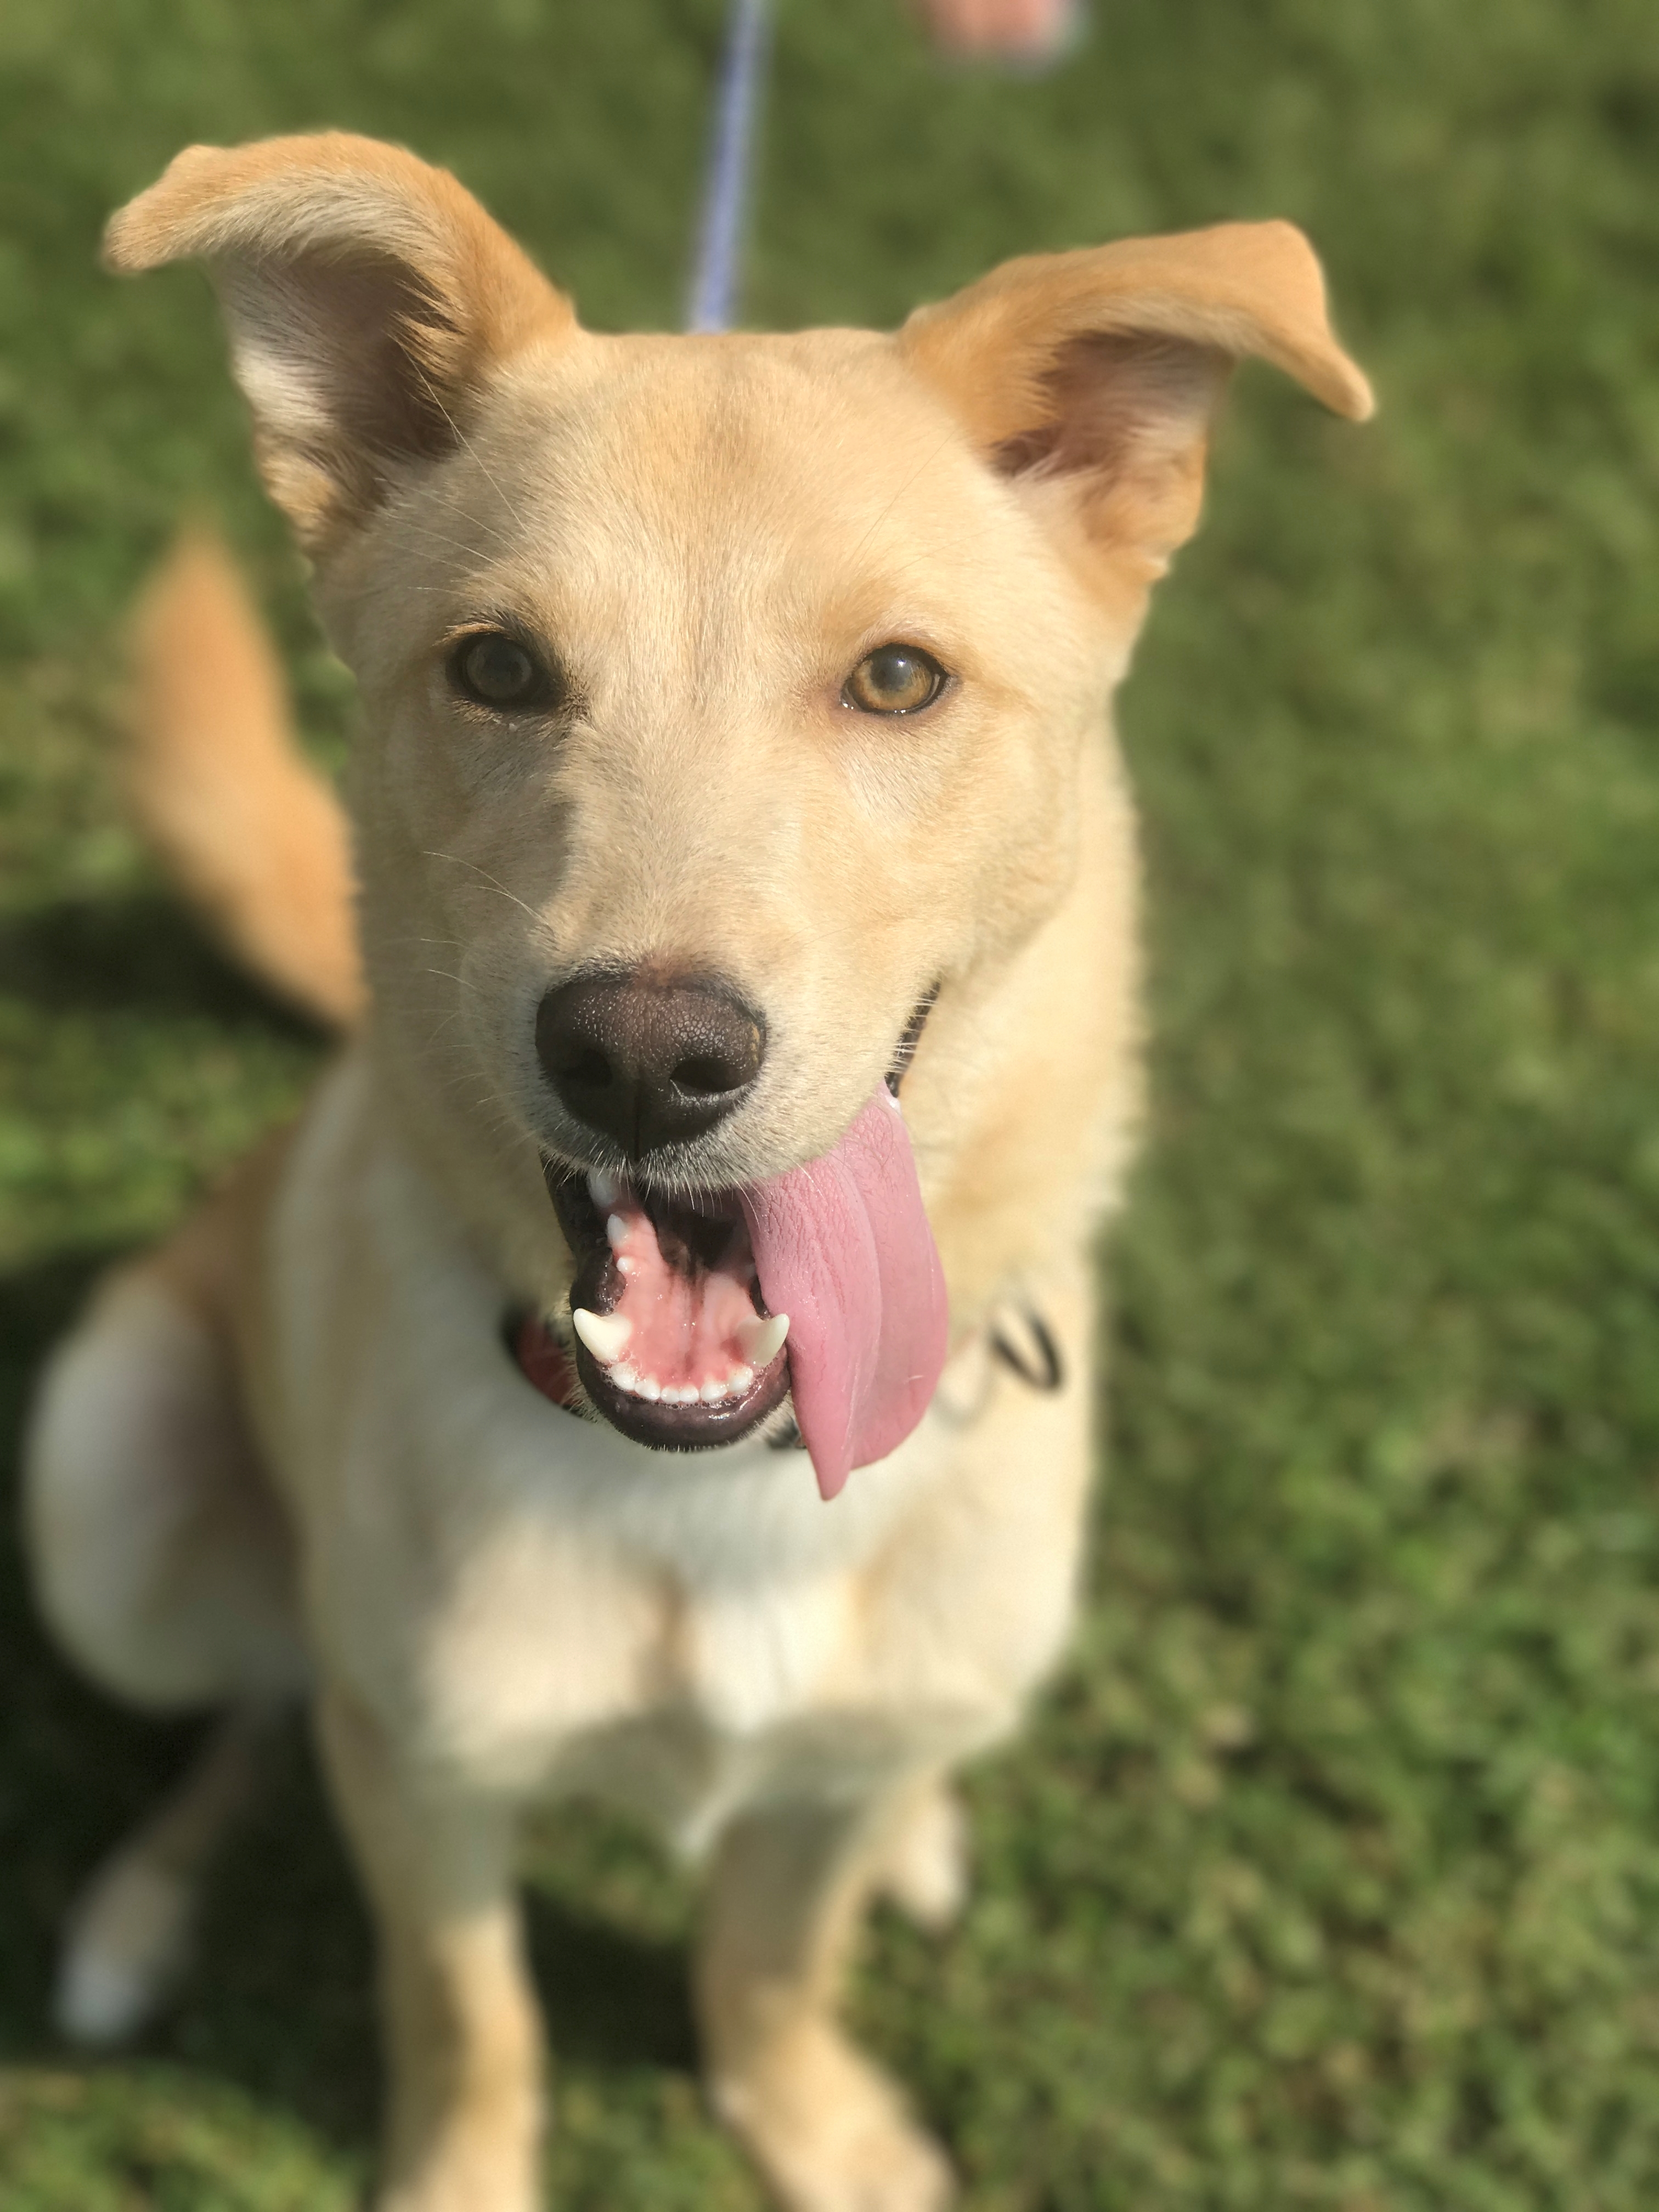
1328,1874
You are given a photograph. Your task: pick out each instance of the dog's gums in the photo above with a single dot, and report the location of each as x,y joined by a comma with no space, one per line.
674,1345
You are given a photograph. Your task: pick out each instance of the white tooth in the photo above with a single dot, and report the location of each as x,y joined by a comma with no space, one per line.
712,1393
760,1342
738,1380
626,1266
648,1387
625,1377
605,1335
686,1395
603,1192
616,1229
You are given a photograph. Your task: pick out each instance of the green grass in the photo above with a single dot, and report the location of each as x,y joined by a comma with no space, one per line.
1328,1873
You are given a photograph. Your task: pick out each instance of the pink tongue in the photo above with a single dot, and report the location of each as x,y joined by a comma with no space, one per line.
842,1246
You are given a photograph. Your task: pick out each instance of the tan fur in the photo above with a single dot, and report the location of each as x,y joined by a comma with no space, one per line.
499,1603
253,834
391,249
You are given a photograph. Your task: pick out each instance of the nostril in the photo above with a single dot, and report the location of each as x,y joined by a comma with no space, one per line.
711,1077
590,1068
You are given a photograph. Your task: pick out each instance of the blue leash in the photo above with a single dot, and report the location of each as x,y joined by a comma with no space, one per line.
716,281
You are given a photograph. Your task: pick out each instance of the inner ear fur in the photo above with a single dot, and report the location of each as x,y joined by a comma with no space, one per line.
365,293
1098,371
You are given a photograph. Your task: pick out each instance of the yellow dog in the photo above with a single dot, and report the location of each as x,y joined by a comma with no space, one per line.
599,1391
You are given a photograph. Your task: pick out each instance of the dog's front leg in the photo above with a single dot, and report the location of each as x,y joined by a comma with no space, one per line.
827,2128
463,2041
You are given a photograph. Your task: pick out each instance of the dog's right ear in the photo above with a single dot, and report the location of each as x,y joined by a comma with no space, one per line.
366,294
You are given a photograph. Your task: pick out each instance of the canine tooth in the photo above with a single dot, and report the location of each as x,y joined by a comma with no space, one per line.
625,1377
605,1335
615,1231
648,1387
760,1342
712,1393
738,1380
602,1190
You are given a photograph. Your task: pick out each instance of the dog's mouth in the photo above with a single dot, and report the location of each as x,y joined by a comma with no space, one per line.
674,1345
695,1317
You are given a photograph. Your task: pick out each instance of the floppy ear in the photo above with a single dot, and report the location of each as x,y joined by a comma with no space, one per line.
1096,373
365,293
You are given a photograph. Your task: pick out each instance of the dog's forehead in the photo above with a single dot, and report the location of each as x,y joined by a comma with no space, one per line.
703,451
656,504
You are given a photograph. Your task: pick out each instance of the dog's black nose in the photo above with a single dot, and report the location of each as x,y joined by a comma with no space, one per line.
646,1060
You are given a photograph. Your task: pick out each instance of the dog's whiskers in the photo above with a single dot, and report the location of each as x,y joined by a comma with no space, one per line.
460,861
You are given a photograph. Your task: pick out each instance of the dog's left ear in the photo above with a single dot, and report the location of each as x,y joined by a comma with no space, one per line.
368,296
1094,375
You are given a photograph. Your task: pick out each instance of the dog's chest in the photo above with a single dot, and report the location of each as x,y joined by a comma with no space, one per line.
545,1629
553,1662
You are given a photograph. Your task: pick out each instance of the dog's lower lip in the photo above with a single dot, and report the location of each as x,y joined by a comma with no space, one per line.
683,1428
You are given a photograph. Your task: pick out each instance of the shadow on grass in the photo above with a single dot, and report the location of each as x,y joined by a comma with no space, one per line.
139,953
279,2002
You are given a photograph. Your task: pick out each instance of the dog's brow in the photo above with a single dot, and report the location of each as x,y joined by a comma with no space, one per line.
926,463
462,439
455,506
442,538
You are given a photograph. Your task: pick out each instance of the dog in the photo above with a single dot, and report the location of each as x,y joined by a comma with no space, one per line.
658,1364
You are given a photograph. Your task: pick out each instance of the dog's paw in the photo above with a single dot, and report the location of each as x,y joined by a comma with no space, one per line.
127,1947
461,2184
829,2131
484,2159
925,1869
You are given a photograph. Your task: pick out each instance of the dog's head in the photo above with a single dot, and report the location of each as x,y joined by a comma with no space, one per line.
725,699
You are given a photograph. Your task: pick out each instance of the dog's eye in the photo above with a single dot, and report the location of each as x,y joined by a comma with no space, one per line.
894,679
497,672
